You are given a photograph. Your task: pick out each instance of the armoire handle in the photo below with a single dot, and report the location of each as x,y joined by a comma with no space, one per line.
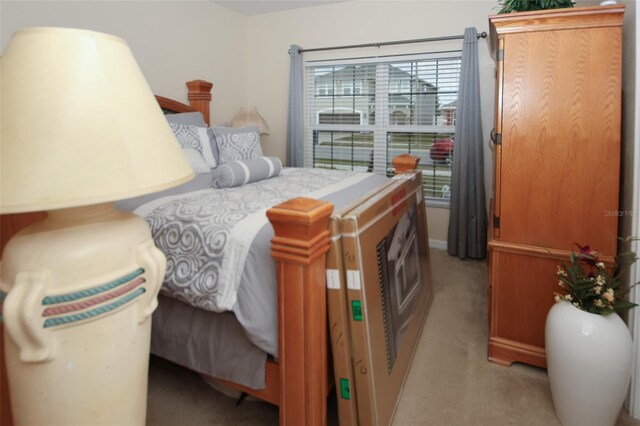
496,138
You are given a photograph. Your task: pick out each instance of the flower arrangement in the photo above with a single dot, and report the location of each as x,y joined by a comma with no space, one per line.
509,6
590,286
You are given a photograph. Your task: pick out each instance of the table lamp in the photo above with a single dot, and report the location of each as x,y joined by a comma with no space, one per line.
80,129
250,117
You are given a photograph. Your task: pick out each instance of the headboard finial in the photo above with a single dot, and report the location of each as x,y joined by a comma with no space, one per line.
200,97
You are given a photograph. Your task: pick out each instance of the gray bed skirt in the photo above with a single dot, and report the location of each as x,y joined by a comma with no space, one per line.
206,342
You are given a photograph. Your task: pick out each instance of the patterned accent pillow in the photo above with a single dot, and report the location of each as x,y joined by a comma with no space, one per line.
237,144
192,137
195,119
238,173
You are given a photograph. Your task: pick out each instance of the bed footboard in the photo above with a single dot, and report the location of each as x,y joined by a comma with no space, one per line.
299,247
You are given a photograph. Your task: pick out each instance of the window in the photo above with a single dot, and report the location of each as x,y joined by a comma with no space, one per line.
361,114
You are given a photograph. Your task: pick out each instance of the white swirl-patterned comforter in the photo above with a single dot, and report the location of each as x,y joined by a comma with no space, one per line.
206,234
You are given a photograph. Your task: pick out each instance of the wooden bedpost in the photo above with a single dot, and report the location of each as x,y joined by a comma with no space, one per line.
299,246
200,97
405,163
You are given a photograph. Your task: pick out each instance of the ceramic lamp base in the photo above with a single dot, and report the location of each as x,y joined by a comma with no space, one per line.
80,288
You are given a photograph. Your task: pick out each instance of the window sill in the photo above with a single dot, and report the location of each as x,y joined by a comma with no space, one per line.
440,204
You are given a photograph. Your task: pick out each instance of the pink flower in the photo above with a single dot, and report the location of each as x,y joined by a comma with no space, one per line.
587,255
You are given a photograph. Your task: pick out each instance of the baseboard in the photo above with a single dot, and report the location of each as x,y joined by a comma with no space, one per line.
438,244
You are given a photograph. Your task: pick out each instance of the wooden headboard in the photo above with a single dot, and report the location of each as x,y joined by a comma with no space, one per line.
199,100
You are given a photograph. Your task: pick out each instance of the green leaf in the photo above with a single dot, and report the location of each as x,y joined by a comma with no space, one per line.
509,6
623,305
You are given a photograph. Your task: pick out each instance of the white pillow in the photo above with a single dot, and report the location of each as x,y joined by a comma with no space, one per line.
196,161
192,137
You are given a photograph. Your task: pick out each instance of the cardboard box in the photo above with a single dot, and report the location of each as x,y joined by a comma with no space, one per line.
339,332
388,293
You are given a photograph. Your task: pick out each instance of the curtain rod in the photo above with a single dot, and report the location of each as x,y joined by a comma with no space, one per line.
390,43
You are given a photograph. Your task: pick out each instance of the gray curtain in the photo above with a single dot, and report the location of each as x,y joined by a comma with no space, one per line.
468,215
295,120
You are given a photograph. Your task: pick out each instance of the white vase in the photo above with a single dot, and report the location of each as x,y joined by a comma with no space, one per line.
589,365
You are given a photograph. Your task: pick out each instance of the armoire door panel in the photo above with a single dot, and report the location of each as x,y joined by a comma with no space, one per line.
560,153
522,289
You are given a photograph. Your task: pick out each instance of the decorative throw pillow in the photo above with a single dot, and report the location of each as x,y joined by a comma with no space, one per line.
236,173
192,137
237,144
196,161
195,119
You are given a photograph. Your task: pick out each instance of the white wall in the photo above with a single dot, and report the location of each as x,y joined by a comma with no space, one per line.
173,42
360,22
630,188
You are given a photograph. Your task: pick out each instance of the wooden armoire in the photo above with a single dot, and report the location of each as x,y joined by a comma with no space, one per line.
557,162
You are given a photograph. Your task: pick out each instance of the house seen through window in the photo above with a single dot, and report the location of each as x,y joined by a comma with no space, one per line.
363,114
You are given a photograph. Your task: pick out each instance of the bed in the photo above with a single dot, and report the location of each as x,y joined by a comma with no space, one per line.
291,370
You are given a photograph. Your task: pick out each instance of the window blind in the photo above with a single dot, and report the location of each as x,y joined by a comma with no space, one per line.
362,113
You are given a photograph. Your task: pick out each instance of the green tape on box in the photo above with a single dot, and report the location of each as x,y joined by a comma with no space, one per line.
345,390
356,308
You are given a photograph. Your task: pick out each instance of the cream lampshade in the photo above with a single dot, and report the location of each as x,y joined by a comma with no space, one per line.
80,129
250,117
80,125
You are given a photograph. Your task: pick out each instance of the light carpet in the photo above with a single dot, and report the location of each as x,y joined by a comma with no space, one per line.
450,382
